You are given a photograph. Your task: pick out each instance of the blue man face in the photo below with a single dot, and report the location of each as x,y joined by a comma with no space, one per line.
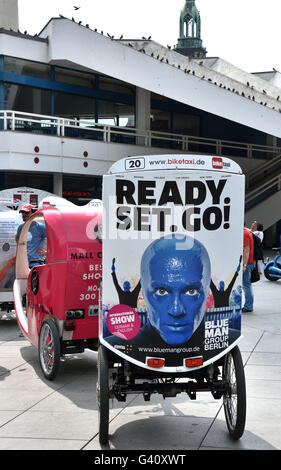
175,283
126,286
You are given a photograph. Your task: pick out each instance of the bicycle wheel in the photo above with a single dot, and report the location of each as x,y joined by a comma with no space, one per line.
103,394
49,349
234,398
270,276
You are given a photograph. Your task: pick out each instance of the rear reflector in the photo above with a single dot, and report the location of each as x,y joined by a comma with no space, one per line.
194,361
69,325
155,362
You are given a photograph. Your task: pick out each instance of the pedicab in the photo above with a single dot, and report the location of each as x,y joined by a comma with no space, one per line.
170,317
56,301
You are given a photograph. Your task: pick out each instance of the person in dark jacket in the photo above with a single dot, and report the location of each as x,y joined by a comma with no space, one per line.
221,295
126,296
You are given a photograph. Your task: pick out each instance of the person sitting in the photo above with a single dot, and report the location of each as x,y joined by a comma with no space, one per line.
35,239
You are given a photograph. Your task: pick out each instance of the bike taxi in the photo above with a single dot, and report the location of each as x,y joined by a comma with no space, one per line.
170,319
56,302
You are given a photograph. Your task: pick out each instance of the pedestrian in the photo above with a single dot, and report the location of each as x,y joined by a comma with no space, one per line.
248,266
259,233
257,229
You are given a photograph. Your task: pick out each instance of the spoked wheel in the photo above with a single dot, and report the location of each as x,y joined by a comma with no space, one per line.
103,394
270,276
49,349
234,399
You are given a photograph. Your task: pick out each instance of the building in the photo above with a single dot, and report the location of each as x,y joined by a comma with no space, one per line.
190,42
73,101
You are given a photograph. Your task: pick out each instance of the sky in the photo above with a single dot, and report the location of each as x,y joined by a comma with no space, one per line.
245,33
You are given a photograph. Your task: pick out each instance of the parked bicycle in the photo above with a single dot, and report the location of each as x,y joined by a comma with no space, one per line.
272,269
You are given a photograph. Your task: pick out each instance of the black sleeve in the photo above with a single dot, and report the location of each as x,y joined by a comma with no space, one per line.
137,288
118,288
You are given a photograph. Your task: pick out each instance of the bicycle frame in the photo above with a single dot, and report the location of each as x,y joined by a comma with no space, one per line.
274,268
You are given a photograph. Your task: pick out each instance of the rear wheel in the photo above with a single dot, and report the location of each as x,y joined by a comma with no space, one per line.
49,349
234,398
270,276
103,394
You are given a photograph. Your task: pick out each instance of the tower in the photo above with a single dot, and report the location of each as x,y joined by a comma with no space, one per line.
190,42
9,17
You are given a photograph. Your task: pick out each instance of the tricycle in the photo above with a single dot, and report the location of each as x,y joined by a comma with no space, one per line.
170,308
56,301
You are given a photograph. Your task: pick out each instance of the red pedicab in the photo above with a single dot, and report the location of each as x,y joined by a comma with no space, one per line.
56,302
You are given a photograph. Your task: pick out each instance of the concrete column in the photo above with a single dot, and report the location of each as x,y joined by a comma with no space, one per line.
142,112
9,16
57,184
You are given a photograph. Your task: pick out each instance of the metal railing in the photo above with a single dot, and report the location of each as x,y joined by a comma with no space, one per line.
265,190
81,128
263,171
62,127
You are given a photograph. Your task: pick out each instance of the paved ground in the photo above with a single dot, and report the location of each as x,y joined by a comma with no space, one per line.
39,415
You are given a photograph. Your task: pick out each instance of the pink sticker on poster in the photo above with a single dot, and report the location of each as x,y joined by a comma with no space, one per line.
123,321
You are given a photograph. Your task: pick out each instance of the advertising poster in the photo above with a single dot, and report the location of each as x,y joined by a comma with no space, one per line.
15,198
172,255
9,222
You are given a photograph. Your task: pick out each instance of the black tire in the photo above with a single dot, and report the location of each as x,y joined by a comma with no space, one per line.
103,394
49,349
269,276
234,399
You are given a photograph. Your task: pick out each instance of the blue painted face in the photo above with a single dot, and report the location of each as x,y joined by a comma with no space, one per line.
126,286
175,284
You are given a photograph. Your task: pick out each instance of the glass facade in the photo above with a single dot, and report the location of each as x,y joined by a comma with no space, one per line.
37,88
78,189
116,114
13,179
91,98
26,67
173,117
87,97
160,120
27,99
186,124
73,77
73,106
82,189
